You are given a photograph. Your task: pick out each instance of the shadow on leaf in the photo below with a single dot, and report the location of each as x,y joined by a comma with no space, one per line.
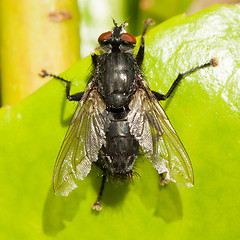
57,209
163,201
169,204
114,190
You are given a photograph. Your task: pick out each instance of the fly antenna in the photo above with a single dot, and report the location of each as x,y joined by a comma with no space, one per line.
114,22
125,24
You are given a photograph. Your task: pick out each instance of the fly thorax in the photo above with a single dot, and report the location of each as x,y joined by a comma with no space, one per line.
117,79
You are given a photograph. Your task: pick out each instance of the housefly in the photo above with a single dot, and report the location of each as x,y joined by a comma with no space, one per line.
117,118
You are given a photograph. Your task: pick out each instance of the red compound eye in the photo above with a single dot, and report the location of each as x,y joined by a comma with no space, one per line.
104,36
128,38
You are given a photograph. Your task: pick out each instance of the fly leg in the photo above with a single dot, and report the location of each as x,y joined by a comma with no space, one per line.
94,59
163,180
96,205
74,97
159,96
140,54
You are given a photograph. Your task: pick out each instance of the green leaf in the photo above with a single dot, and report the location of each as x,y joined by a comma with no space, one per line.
204,111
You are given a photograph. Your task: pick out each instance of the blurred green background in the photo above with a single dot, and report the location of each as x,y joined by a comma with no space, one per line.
204,111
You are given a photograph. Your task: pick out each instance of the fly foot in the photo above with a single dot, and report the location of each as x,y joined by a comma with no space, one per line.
163,180
96,206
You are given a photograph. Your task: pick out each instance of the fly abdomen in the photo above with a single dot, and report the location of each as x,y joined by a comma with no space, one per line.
121,148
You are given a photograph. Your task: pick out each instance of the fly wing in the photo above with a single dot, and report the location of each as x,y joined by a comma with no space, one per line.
158,139
81,145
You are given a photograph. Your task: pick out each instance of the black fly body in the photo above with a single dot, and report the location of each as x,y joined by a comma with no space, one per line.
118,117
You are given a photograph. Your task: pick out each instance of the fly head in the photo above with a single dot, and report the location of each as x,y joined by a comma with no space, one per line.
117,40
